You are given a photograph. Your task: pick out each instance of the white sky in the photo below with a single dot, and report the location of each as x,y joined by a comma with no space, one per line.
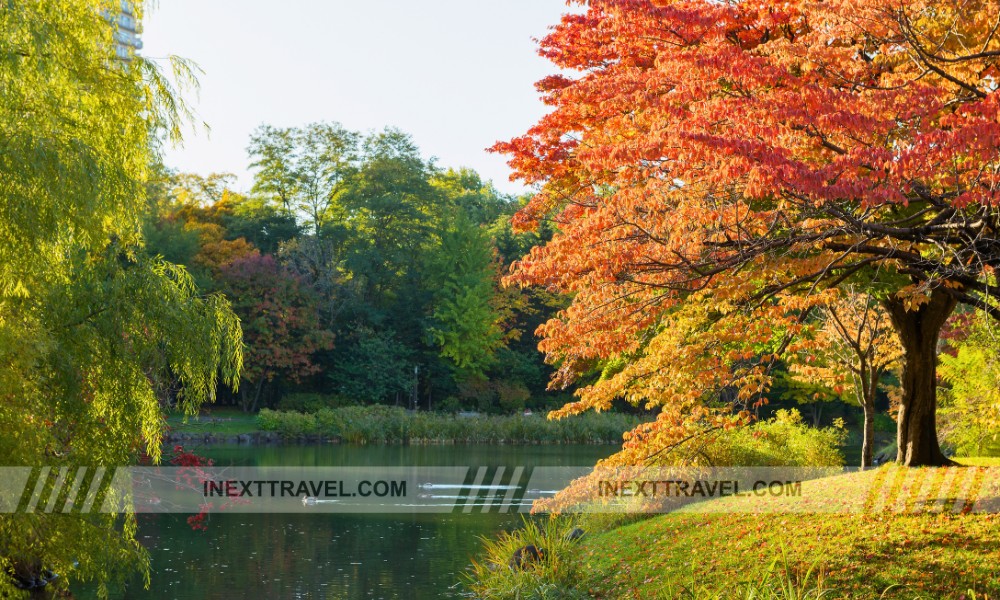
458,75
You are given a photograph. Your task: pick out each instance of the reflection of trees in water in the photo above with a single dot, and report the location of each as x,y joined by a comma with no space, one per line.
338,556
280,555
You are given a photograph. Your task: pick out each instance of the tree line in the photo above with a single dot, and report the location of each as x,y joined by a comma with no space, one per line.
361,273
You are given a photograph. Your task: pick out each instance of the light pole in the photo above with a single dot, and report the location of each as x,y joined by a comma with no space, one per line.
414,397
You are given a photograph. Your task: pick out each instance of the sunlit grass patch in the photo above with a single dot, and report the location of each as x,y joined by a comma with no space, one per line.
890,533
878,552
218,421
979,461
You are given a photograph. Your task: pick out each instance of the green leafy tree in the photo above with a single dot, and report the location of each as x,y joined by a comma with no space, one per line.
465,322
373,367
402,256
387,211
465,189
304,169
522,310
171,239
261,223
88,322
316,262
273,152
970,409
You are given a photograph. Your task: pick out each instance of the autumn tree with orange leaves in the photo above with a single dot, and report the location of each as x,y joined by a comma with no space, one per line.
714,166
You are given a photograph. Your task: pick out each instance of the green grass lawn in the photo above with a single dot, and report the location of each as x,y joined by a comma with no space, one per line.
980,461
862,555
219,421
855,556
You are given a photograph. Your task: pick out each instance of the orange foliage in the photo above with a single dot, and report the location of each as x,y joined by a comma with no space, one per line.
216,254
216,251
716,168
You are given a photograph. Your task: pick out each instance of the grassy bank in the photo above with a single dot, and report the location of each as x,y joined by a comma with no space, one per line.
225,421
868,556
877,553
389,425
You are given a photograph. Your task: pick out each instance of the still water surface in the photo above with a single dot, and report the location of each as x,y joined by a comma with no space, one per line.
346,557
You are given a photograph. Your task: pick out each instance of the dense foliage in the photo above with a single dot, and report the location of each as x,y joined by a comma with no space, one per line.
92,330
970,408
716,167
360,269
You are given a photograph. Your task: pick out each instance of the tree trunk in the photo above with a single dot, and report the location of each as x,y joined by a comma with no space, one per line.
868,443
248,403
817,414
256,396
918,333
865,387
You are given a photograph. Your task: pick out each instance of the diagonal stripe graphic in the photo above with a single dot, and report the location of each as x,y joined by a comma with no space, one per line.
56,489
493,490
74,491
43,476
474,491
516,484
522,488
95,487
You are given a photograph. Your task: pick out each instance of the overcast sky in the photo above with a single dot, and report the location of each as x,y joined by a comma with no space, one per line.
456,74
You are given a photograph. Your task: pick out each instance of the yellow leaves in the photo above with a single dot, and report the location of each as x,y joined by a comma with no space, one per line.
851,327
913,297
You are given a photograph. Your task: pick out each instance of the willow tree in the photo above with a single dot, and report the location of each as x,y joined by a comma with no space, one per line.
711,165
88,325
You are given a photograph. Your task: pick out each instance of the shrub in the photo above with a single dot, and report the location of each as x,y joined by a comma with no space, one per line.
451,404
554,576
329,422
312,402
512,395
782,441
267,420
392,425
288,424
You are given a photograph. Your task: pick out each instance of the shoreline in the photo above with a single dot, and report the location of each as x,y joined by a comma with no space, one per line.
274,438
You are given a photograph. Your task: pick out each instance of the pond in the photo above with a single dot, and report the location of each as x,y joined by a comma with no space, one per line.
343,556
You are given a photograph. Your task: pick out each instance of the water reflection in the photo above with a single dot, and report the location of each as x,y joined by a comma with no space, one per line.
313,556
329,555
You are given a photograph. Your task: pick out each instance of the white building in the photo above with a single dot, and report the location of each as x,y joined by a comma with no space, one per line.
127,30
